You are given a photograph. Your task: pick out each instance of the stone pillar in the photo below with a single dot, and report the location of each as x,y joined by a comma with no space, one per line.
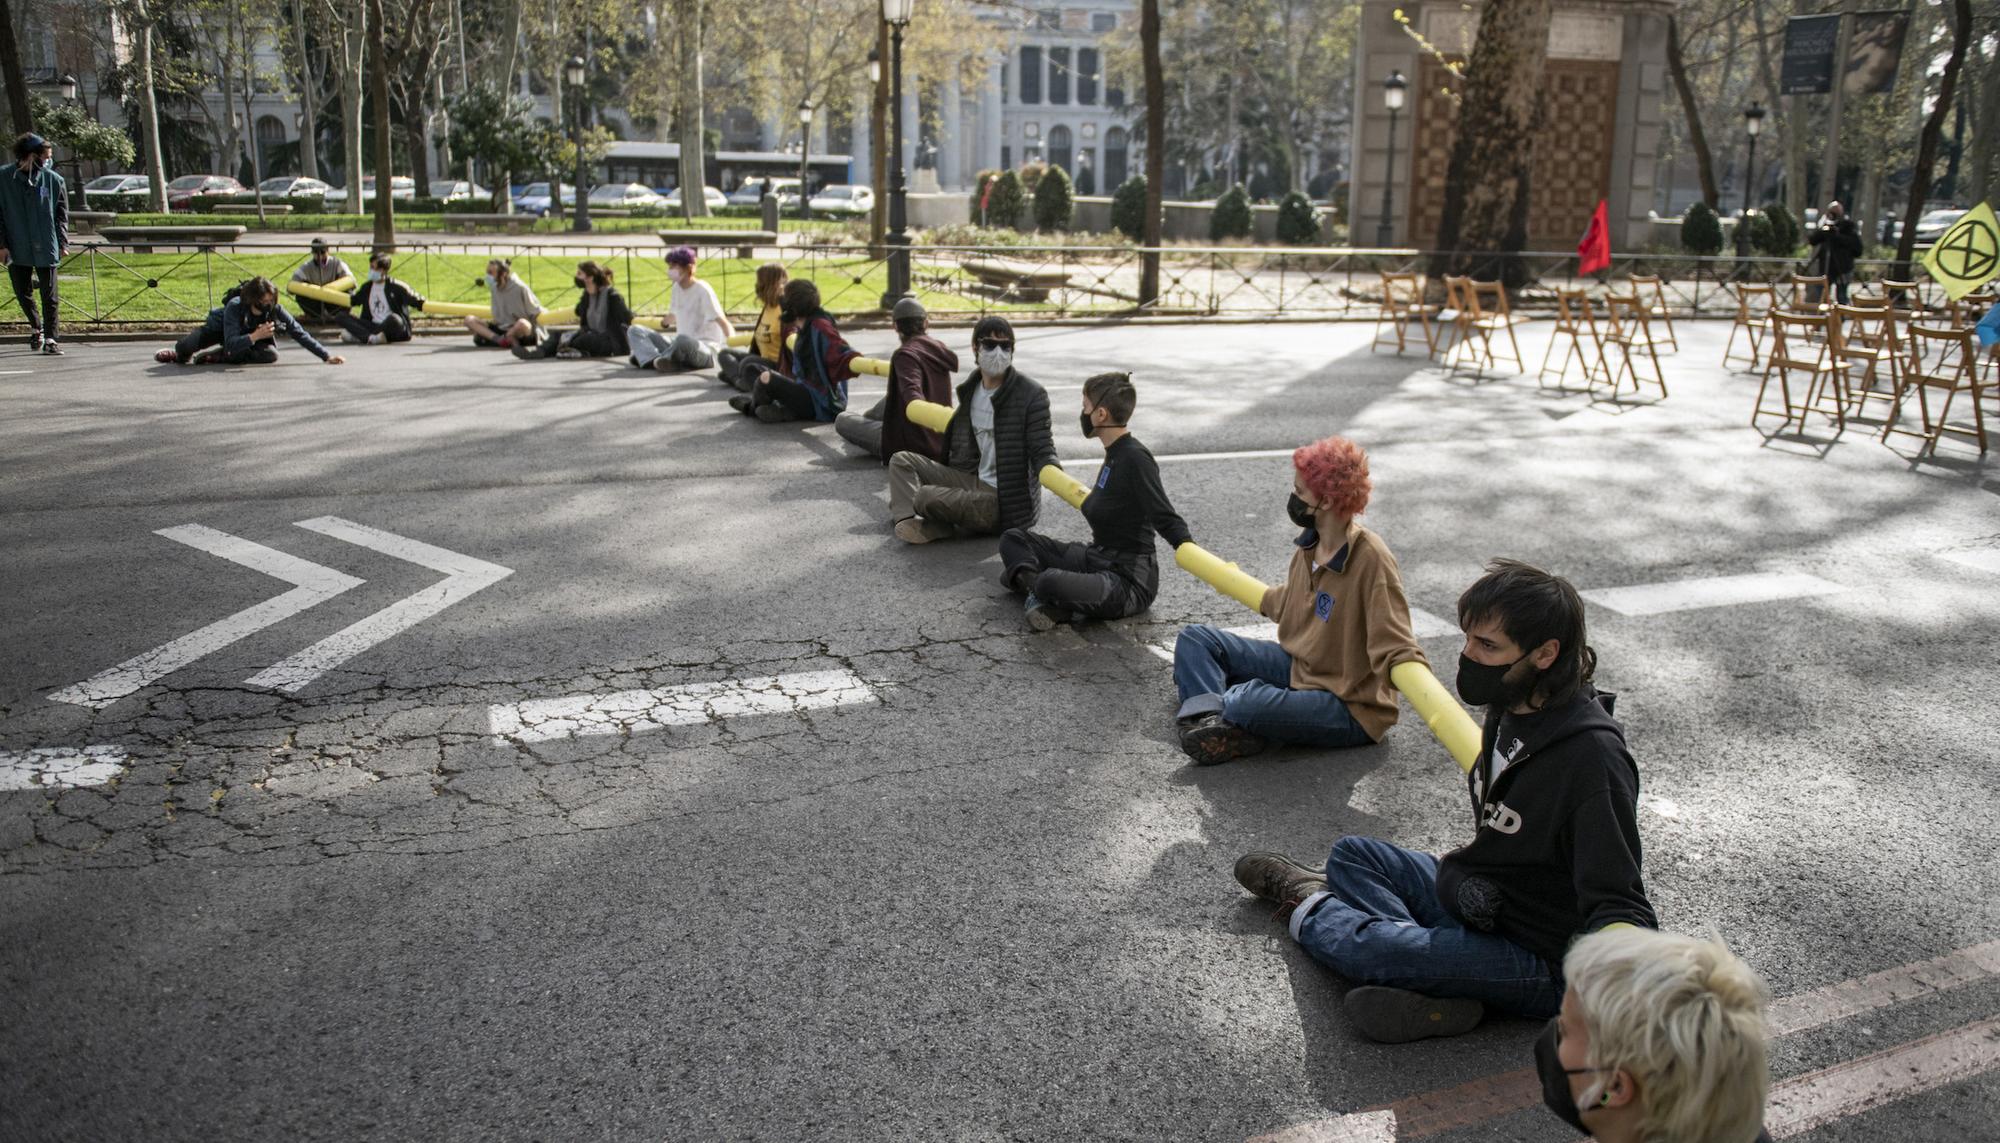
864,133
992,118
912,125
1383,47
951,142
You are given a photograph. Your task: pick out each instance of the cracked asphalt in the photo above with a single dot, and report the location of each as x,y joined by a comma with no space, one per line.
992,901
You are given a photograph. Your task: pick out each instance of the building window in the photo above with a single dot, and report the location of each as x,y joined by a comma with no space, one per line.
1058,75
1086,76
1059,149
1114,92
1086,172
1031,75
1115,151
1006,157
1048,20
1104,21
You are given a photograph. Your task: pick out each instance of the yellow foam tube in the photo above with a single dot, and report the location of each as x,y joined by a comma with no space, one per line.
459,309
929,414
1221,575
1064,485
558,317
324,293
738,341
1440,712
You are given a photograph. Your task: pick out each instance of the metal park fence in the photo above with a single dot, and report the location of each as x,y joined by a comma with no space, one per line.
108,285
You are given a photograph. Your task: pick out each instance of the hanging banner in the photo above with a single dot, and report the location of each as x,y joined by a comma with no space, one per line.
1874,49
1810,42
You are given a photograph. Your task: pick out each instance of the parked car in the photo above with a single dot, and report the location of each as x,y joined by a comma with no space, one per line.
534,199
625,196
844,198
715,199
105,187
457,190
292,186
1934,223
183,191
753,189
402,188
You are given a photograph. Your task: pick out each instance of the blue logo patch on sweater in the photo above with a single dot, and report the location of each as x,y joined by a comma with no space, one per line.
1323,606
1103,476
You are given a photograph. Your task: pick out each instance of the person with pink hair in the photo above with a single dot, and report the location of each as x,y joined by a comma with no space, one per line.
1343,623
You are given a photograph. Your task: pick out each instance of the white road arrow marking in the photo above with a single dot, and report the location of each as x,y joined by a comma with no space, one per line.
465,576
312,584
54,769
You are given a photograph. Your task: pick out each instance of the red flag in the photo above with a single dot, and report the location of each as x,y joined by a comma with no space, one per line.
1594,252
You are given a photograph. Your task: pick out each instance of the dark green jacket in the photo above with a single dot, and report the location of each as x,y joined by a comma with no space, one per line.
34,216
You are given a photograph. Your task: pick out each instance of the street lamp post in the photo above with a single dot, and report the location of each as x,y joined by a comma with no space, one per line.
1753,126
896,13
805,155
1392,98
576,72
68,88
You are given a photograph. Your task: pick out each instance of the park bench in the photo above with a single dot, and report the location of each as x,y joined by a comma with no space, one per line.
743,240
251,208
512,223
1020,280
142,239
90,221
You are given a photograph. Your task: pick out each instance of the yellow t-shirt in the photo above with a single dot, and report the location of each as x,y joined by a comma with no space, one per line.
767,339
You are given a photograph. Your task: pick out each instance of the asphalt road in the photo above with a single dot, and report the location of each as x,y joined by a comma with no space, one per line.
947,878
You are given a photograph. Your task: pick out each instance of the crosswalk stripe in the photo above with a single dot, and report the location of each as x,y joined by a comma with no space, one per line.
60,768
1716,591
1985,559
637,711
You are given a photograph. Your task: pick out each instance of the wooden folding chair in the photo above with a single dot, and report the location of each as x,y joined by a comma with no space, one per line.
1576,330
1865,343
1754,303
1492,316
1968,309
1805,287
1946,359
1454,321
1902,295
1802,343
1402,304
1656,306
1627,326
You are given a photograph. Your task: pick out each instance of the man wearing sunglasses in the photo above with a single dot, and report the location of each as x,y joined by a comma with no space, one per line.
995,447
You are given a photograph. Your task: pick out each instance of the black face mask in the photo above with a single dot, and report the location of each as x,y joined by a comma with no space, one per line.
1300,511
1555,1079
579,282
1481,685
1089,430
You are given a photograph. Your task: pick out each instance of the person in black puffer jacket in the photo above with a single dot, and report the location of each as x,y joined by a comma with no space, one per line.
995,447
1836,244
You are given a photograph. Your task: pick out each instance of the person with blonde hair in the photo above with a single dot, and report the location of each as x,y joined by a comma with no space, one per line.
767,334
1661,1039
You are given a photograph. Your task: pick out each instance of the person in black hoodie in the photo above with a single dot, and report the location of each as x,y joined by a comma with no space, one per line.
1836,244
1554,852
385,307
995,447
1116,574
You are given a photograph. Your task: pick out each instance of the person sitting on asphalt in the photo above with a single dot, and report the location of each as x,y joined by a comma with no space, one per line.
920,370
1116,574
810,382
701,329
1554,852
995,447
34,236
243,331
385,305
1343,623
602,320
767,336
517,312
321,268
1662,1039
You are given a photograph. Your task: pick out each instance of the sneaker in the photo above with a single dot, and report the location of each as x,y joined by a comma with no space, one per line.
50,347
1279,880
741,405
911,530
665,364
523,352
568,354
506,342
1211,739
166,357
1398,1016
375,339
35,341
634,359
347,338
773,414
1044,616
207,356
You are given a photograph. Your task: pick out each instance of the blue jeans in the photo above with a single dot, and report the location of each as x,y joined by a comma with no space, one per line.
1249,682
1380,923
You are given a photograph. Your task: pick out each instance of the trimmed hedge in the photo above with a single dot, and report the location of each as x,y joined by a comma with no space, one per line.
1298,221
1232,217
1055,201
1128,208
1701,231
1784,236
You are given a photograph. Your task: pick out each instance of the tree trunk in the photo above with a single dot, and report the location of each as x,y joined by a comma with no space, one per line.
149,114
308,97
1870,216
1156,149
417,131
1986,133
1704,161
507,54
378,93
1927,142
351,44
16,79
693,171
1486,184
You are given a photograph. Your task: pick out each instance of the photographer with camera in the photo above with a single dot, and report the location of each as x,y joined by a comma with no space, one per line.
1836,244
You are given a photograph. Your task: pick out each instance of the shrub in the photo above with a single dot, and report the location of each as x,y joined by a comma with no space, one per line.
1298,221
1128,208
1055,201
979,186
1031,176
1231,217
1701,231
1756,232
1784,236
1003,206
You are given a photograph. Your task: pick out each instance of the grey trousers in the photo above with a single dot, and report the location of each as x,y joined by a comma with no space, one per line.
864,430
944,497
682,349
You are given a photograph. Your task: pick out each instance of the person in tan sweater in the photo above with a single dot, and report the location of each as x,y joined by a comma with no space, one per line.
1343,622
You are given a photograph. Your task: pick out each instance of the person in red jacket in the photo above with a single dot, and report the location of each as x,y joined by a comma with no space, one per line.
921,370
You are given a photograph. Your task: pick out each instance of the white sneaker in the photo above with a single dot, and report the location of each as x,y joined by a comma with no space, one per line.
347,338
375,339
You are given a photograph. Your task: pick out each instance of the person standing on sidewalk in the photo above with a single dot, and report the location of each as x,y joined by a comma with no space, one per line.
34,235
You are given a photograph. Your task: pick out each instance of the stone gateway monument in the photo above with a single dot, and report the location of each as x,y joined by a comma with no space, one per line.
1601,115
